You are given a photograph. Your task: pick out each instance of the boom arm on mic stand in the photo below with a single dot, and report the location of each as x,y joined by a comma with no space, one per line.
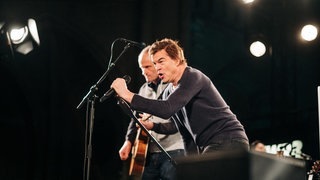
90,98
133,43
94,88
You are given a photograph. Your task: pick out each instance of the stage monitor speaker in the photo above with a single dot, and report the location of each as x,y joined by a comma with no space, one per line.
240,165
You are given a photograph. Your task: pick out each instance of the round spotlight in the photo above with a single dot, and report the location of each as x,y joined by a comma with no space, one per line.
17,36
23,36
257,49
309,32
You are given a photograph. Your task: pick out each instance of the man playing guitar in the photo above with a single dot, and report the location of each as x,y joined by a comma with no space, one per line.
148,161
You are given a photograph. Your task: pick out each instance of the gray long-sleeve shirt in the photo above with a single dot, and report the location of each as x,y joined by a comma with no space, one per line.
165,132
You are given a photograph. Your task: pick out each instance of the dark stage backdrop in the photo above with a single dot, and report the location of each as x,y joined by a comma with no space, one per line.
42,133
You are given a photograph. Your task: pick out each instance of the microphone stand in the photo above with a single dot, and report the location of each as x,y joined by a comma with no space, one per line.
91,97
126,108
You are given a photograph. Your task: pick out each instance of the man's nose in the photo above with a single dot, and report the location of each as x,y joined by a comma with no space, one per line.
157,67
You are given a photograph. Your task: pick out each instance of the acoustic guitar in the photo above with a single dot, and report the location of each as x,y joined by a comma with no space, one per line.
139,152
140,147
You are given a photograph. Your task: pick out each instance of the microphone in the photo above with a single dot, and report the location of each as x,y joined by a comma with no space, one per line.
111,91
133,43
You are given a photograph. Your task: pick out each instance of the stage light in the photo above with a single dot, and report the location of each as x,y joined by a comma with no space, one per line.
258,48
258,45
24,38
17,36
309,32
247,1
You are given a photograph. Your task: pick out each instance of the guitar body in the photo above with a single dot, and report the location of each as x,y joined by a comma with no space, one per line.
139,153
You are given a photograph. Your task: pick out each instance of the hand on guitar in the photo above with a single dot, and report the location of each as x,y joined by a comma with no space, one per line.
125,150
144,120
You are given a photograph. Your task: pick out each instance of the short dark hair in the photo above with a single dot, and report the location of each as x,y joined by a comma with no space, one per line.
172,47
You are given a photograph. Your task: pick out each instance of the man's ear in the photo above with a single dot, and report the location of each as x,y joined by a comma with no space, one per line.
177,61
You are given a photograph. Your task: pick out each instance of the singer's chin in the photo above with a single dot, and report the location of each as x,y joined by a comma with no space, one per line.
165,81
